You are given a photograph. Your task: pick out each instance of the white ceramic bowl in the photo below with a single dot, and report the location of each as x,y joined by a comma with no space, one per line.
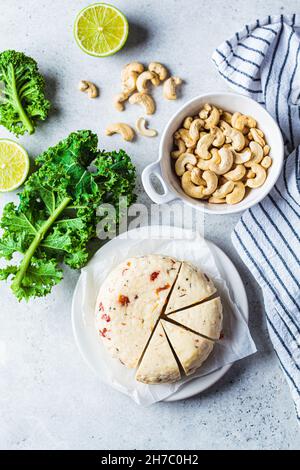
163,170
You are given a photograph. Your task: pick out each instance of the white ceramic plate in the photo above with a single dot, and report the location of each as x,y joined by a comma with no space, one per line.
86,340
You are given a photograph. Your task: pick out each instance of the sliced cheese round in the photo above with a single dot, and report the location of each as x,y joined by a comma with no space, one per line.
130,302
191,349
191,287
205,319
158,364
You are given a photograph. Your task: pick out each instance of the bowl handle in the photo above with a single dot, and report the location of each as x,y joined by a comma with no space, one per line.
154,169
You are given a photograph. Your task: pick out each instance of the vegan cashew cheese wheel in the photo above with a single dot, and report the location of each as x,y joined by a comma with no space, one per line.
205,319
191,349
131,317
130,302
192,286
158,364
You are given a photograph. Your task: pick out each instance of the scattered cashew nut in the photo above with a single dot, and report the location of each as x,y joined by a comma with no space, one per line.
120,128
141,128
144,100
143,78
159,70
129,76
169,88
88,87
119,100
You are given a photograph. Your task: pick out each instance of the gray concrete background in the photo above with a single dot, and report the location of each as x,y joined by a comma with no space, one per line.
48,397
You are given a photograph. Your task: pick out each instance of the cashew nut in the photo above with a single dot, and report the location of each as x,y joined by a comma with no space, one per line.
88,87
200,191
242,157
220,138
236,174
240,121
213,119
120,128
203,164
204,113
212,182
224,189
159,70
141,128
129,76
185,136
196,177
181,148
187,122
260,175
169,88
258,137
227,117
216,200
257,151
237,194
182,161
204,144
226,161
143,78
189,187
119,100
233,135
144,100
266,162
195,129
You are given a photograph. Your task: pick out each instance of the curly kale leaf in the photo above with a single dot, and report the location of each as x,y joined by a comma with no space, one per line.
56,216
22,98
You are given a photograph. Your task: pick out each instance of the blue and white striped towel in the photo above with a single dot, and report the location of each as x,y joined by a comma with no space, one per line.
262,61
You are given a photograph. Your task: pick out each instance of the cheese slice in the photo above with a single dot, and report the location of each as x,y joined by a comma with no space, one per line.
158,364
130,302
191,349
205,319
192,286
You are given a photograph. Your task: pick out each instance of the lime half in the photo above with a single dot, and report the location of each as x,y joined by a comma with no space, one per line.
14,165
100,29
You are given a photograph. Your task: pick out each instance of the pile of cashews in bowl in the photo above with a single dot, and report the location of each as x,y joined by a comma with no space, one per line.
219,155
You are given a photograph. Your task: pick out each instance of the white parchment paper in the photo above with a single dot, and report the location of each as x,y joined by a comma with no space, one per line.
236,343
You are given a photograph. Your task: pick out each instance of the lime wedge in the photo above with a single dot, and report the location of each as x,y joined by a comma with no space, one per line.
14,165
100,29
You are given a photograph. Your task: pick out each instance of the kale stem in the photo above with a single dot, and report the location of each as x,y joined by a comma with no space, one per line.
24,118
35,243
